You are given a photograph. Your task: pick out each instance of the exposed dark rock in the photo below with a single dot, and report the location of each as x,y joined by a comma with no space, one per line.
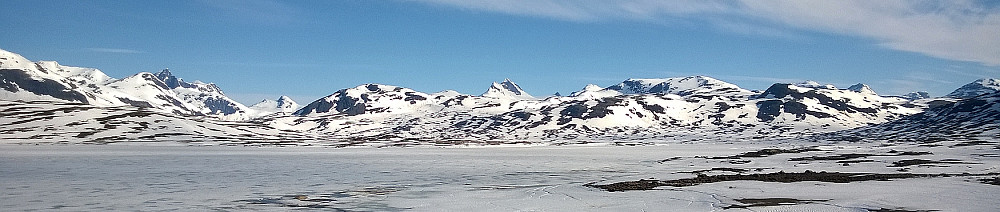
766,152
991,181
911,162
746,203
835,157
781,177
768,109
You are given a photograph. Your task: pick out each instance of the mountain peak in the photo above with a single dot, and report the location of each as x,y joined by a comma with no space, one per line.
861,88
168,78
595,91
283,104
164,73
976,88
506,89
676,85
917,95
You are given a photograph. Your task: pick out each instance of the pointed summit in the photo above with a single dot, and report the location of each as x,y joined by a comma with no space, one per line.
168,78
286,104
507,89
164,73
861,88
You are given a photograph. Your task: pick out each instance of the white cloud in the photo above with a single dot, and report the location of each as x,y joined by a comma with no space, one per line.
962,30
114,50
955,30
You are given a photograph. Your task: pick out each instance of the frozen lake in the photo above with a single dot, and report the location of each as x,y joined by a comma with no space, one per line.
198,178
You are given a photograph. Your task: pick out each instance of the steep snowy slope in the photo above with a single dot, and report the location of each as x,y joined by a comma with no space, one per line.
976,88
206,96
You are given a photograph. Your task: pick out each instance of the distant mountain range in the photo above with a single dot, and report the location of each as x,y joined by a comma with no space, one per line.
93,107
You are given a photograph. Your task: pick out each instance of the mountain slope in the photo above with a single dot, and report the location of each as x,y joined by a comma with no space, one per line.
508,90
82,104
43,121
283,105
976,88
21,79
208,97
658,109
682,86
973,118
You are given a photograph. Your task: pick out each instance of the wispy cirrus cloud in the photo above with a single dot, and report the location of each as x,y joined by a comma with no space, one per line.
590,10
961,30
255,11
115,50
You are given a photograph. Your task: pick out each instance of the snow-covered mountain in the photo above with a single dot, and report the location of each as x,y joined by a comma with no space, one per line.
506,89
917,95
685,108
60,121
682,86
283,105
975,118
592,91
24,80
976,88
206,96
145,106
367,99
861,88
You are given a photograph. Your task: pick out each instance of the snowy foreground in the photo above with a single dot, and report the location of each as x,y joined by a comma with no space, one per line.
132,176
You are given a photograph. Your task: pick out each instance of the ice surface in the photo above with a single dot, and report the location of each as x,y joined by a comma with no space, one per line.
123,177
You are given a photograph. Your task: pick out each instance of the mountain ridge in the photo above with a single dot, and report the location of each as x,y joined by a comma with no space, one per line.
668,109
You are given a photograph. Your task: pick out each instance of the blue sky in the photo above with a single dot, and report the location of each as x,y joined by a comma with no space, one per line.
309,49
